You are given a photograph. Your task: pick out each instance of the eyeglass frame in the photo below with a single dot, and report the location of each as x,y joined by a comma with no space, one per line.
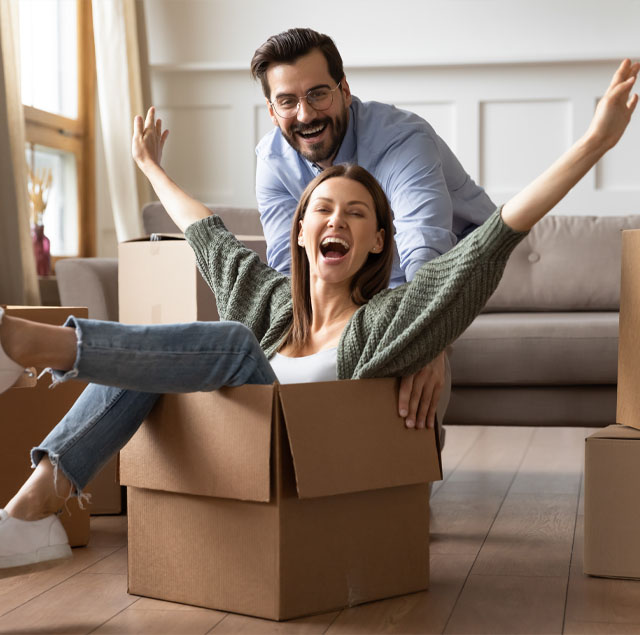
305,97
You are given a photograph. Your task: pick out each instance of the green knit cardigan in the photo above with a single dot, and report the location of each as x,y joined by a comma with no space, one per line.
397,332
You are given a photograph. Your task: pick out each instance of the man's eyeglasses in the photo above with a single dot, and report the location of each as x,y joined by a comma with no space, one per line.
287,106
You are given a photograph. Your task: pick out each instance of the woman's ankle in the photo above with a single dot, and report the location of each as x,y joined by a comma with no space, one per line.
28,506
36,344
44,493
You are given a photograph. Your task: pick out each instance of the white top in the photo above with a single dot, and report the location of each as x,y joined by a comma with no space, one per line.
322,366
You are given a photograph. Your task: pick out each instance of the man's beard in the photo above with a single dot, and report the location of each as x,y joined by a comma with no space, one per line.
324,150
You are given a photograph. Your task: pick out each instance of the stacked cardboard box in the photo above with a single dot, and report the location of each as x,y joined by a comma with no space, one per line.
612,455
158,282
273,501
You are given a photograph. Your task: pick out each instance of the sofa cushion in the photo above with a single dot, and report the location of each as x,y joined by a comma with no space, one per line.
544,349
566,263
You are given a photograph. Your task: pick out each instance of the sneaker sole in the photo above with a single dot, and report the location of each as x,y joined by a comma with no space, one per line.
44,558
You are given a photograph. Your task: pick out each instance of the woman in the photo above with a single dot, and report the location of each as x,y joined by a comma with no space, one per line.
334,319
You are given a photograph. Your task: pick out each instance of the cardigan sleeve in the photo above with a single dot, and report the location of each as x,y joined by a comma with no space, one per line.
402,329
246,289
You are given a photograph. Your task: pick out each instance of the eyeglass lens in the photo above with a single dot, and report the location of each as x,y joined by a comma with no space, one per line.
318,99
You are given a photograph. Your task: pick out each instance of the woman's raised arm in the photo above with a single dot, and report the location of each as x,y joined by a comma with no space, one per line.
610,120
146,148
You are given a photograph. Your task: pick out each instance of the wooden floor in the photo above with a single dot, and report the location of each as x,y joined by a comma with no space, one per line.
506,544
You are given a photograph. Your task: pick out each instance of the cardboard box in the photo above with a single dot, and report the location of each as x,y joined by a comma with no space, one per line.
628,403
164,267
106,493
611,509
28,414
279,501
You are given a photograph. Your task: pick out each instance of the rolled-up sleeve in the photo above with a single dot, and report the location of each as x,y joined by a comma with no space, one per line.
413,177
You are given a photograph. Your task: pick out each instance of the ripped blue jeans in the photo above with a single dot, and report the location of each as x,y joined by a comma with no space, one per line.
130,367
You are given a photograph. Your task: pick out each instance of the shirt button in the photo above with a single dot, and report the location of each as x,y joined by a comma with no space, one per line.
533,257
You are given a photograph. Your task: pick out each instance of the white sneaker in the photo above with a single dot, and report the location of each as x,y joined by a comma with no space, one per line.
26,545
10,372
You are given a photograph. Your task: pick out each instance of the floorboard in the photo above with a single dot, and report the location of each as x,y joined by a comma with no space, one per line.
506,557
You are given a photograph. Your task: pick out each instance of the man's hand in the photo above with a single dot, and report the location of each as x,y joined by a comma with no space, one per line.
419,394
148,140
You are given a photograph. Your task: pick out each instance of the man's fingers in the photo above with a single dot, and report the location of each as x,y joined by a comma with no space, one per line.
417,392
425,406
433,406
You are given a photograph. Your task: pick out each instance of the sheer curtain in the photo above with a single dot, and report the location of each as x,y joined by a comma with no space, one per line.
120,97
18,279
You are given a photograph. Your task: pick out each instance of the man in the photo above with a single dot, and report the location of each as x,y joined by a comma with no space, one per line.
318,123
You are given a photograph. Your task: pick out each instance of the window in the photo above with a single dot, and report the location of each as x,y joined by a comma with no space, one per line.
58,84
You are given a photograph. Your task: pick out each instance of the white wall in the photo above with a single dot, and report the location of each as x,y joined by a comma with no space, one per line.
509,84
415,32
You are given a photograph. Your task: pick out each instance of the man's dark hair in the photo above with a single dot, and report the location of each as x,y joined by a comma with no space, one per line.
287,47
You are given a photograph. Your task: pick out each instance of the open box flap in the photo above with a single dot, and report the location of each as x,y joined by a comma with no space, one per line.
257,238
156,236
347,436
616,431
207,443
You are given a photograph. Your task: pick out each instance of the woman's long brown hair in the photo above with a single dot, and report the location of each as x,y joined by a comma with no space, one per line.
370,279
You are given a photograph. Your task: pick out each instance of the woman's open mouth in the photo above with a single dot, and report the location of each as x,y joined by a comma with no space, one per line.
334,248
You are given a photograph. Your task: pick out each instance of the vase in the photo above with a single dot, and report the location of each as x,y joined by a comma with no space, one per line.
41,250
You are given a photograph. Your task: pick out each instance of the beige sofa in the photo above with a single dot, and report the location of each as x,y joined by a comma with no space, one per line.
544,352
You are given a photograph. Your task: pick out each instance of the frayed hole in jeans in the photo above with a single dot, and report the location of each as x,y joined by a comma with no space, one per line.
83,498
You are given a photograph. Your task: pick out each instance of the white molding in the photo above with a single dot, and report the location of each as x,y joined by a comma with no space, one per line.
411,64
462,89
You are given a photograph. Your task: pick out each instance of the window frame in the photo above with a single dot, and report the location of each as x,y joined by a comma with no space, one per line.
76,136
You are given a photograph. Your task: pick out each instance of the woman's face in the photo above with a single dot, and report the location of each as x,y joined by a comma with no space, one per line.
339,230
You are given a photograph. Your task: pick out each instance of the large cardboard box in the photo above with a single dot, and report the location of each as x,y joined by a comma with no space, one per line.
279,501
628,402
28,414
163,268
611,509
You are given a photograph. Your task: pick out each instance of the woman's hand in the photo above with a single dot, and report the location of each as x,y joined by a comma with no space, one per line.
148,140
146,148
614,110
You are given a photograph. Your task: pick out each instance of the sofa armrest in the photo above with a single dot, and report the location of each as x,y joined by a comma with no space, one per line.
90,282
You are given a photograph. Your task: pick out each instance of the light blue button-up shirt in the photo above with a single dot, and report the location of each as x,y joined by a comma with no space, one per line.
434,201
